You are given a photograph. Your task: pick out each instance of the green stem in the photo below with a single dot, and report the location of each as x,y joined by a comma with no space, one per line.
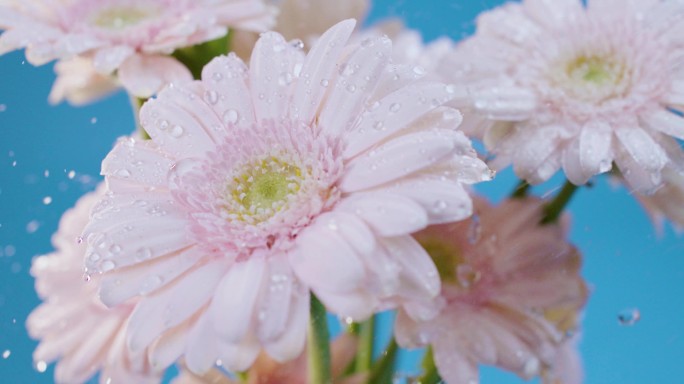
521,190
554,208
364,356
430,374
383,371
318,344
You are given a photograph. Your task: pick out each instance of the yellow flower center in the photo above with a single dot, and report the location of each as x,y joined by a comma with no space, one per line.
264,188
120,17
595,70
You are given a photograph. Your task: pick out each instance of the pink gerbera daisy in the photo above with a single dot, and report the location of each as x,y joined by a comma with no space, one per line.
133,37
259,184
564,86
72,324
511,290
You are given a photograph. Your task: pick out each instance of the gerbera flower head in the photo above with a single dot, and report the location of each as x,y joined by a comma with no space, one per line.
302,172
133,38
511,291
564,86
72,324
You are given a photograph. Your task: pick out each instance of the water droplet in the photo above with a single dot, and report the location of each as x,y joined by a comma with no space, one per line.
124,173
475,230
379,125
418,70
79,240
531,367
46,173
450,88
297,44
163,125
32,226
71,174
93,120
439,206
351,88
41,366
6,353
230,116
86,277
115,248
107,265
47,200
211,97
217,76
285,78
348,320
177,131
143,254
629,317
324,83
395,107
150,284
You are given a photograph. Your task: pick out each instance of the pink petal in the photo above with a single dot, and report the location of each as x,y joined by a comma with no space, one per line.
666,122
323,259
140,279
107,60
642,148
137,161
595,147
505,103
272,57
571,164
173,128
173,304
239,357
393,113
318,69
225,80
419,276
290,344
552,13
169,347
359,73
357,305
453,366
235,298
275,304
388,214
397,158
538,157
202,348
145,75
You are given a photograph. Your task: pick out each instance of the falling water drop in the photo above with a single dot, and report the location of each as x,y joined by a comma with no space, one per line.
629,317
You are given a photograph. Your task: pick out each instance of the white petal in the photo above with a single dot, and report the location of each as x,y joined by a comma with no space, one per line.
291,343
642,148
137,161
225,80
317,71
397,158
145,75
388,214
595,147
358,74
419,277
666,122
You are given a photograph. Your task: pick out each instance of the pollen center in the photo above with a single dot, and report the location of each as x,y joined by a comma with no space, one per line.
595,70
120,17
264,188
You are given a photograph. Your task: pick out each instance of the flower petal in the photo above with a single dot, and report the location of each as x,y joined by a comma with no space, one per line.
145,75
388,214
666,122
225,80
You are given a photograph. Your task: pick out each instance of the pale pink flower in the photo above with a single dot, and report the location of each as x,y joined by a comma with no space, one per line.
559,85
510,291
667,203
78,83
268,371
131,37
72,325
300,173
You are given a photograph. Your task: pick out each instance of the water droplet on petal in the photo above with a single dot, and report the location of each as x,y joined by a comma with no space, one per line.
177,131
41,366
124,173
143,254
230,116
211,97
217,76
324,83
439,206
395,107
418,70
107,265
285,78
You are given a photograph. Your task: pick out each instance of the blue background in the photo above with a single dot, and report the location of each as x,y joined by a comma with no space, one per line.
626,263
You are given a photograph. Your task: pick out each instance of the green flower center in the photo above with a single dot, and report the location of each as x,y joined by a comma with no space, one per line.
120,17
594,70
265,187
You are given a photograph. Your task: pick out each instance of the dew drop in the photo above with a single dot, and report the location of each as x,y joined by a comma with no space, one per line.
86,277
230,116
32,226
115,248
6,353
143,254
125,173
284,79
450,88
395,107
418,70
107,265
379,125
297,44
163,125
151,283
41,366
217,76
351,88
177,131
71,174
324,83
439,206
47,200
629,317
211,97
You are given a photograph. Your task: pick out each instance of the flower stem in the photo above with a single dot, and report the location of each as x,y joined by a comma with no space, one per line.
318,344
520,190
383,371
136,104
554,208
430,374
364,356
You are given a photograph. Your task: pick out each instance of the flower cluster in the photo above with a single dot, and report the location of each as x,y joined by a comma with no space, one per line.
317,168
